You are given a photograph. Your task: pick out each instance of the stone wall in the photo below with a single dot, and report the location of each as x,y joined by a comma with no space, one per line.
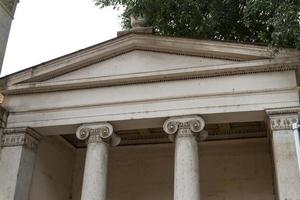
52,177
229,170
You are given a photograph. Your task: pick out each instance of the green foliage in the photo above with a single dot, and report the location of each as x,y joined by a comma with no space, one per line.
273,22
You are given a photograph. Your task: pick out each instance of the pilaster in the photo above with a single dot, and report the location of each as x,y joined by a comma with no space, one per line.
284,146
19,147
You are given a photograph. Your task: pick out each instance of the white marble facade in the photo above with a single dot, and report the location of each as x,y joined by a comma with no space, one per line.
153,84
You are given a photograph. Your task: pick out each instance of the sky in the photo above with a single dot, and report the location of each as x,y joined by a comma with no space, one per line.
46,29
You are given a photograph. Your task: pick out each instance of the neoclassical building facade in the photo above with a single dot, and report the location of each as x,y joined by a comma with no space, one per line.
153,117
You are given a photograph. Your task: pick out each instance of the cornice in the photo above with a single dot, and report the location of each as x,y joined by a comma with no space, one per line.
283,111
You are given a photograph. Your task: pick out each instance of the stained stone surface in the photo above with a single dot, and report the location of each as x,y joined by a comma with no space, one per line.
286,165
16,168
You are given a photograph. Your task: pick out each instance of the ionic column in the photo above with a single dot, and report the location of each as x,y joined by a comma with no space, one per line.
186,173
19,146
98,137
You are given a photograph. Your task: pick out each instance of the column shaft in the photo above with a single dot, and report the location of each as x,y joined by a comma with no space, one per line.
95,172
99,136
186,169
186,180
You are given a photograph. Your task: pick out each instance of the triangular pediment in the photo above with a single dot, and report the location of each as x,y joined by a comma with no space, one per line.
137,62
138,58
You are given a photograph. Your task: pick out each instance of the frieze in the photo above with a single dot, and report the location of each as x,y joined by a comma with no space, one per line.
283,118
283,122
21,137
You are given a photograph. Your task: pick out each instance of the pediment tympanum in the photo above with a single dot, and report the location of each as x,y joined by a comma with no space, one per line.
138,62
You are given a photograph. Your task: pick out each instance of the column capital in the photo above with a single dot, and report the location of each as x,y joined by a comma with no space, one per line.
26,137
98,132
282,118
185,126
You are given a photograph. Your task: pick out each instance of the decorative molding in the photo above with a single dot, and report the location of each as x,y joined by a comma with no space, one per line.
283,118
185,126
283,122
252,67
283,111
26,137
95,133
130,42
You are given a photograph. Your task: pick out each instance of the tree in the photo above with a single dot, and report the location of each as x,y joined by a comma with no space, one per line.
272,22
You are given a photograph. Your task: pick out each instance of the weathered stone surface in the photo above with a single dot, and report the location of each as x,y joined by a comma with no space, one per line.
17,162
16,168
284,142
186,168
99,137
53,171
137,81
